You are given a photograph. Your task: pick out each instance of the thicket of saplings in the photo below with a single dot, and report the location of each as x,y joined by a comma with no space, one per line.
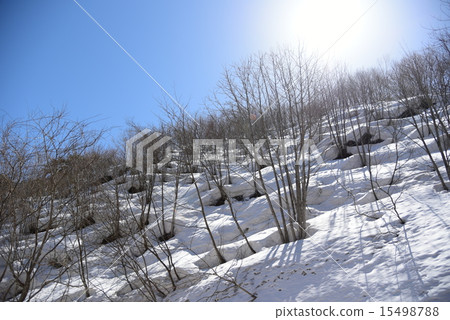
57,181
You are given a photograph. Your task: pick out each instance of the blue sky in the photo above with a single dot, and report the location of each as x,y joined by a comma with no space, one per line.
53,55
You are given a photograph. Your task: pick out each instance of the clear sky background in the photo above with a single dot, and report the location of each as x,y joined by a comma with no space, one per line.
53,55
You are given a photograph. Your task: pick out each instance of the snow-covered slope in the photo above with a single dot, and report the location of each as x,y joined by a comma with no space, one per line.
357,249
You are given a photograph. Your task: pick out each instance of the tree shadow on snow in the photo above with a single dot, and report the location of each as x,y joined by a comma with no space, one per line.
284,254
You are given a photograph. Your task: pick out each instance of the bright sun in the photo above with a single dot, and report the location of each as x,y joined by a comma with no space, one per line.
320,23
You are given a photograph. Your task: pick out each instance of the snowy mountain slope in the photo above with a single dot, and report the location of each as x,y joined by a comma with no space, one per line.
357,248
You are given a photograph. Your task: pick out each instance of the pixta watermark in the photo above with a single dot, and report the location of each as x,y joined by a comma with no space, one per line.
141,148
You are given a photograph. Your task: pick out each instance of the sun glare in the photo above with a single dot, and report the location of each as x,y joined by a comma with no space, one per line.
319,24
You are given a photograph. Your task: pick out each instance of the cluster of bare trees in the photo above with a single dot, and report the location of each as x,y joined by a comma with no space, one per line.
422,82
270,97
49,166
61,197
